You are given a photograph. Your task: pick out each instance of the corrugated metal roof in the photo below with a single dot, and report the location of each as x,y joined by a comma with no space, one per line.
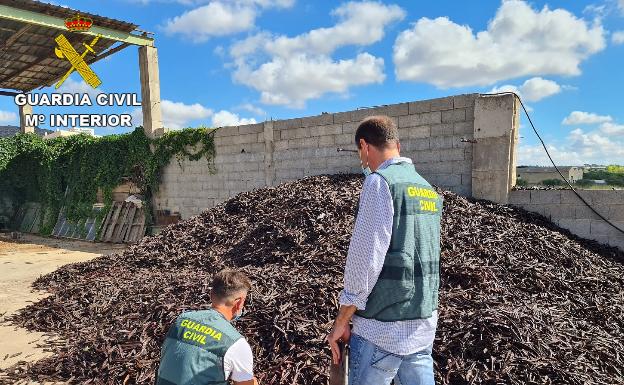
27,58
526,169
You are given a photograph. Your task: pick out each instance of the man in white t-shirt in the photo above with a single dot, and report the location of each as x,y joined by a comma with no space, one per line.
202,347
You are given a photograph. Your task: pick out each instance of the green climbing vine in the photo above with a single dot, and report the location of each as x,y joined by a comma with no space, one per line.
67,172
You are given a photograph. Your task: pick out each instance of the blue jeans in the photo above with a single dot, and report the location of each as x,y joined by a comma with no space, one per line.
371,365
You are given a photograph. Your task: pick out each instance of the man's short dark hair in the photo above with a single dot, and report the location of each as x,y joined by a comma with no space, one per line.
227,283
380,131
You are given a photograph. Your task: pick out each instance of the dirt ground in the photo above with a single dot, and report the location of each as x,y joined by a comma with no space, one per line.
21,262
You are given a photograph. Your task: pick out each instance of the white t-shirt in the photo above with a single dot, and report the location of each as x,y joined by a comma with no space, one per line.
238,362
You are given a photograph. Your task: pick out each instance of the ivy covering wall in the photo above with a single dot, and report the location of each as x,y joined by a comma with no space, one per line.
66,172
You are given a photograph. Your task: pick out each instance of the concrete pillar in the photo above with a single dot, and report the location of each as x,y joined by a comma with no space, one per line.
24,110
150,92
496,125
269,146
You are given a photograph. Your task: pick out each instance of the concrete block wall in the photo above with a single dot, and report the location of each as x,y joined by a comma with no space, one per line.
565,209
269,153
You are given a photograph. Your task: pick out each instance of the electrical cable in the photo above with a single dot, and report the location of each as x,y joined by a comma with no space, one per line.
553,162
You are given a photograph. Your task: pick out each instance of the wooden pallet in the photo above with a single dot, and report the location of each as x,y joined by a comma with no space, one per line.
124,223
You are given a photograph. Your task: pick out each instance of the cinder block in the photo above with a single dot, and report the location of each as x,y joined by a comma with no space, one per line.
545,197
584,212
463,128
467,181
319,120
227,131
462,190
411,145
349,128
580,227
446,180
441,168
453,116
331,129
442,142
420,119
561,211
292,133
427,156
519,197
281,145
452,154
467,100
441,104
616,212
397,109
327,140
343,117
607,197
417,132
419,107
461,167
345,139
251,138
568,196
443,129
600,227
470,114
286,124
256,128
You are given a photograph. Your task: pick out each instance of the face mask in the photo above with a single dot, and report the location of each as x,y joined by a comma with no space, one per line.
237,316
366,170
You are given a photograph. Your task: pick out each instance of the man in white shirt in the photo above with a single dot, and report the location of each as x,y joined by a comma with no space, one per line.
202,347
391,276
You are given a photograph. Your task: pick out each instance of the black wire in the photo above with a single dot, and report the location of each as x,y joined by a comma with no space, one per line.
553,162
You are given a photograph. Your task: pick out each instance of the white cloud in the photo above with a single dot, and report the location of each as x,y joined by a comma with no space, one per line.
253,109
8,117
519,41
617,37
225,118
532,90
291,70
580,117
579,148
176,115
220,18
612,128
621,4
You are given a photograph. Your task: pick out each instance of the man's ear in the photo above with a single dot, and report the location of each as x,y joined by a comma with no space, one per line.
237,305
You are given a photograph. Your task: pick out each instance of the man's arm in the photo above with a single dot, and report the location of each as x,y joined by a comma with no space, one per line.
238,361
366,256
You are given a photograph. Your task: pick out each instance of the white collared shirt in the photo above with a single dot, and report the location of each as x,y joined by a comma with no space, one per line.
365,259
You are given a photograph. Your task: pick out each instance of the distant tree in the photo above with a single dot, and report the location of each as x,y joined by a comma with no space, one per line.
584,182
521,182
553,182
615,169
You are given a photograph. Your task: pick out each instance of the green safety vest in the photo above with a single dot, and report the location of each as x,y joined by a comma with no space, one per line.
407,287
193,351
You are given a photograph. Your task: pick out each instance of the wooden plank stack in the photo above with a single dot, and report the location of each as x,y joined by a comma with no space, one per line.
124,223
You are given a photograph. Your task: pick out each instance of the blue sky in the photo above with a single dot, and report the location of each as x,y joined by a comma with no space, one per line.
238,61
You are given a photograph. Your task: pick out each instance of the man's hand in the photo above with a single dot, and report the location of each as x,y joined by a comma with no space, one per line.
340,332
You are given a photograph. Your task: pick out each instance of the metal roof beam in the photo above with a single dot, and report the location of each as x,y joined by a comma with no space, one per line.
34,18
